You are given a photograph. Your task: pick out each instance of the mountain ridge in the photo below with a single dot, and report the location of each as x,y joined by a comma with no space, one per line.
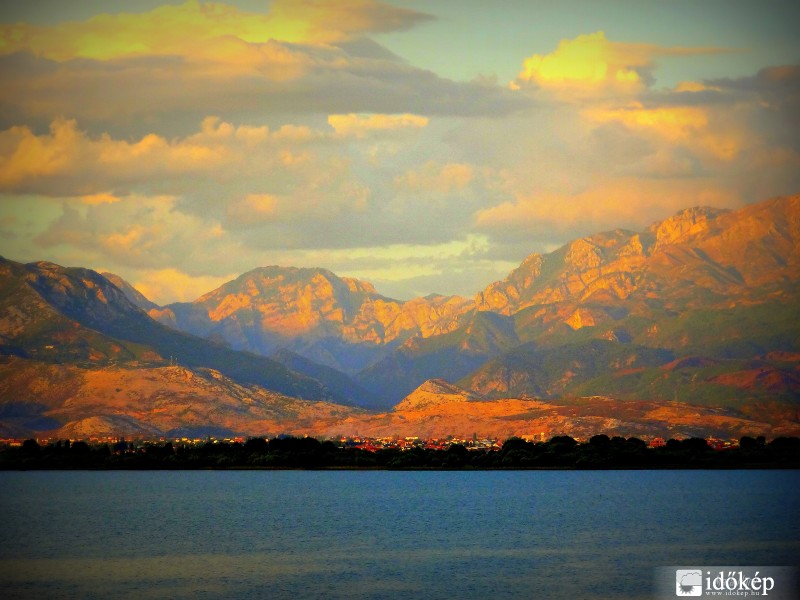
59,314
700,308
655,288
268,308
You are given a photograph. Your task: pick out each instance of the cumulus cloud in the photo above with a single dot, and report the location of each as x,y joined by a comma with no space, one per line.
689,126
592,65
361,125
137,232
67,161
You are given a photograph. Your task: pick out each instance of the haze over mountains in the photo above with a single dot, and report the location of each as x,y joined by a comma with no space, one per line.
699,310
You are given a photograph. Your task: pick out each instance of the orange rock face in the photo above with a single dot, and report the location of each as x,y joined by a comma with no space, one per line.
149,401
666,288
726,252
293,302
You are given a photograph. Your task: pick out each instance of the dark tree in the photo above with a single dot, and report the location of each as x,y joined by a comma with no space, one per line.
30,446
80,448
695,445
256,446
562,444
516,443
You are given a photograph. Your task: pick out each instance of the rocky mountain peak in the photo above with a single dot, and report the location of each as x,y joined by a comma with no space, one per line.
131,292
77,291
440,386
304,309
357,286
583,254
435,392
685,225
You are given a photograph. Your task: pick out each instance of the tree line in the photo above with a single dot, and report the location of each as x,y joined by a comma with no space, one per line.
600,452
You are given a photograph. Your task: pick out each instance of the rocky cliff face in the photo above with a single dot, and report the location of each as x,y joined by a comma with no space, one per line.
606,265
272,307
725,253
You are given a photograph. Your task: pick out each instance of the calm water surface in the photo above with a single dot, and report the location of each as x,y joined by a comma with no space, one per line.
383,534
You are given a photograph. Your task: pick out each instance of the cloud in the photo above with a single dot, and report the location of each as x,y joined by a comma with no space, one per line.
591,65
164,286
171,66
66,161
171,94
254,209
205,32
361,125
694,87
101,198
587,61
690,126
138,232
242,139
333,20
408,270
627,202
433,177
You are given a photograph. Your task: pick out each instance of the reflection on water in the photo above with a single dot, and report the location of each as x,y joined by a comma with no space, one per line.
293,534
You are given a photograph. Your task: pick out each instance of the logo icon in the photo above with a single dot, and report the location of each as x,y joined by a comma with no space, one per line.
688,582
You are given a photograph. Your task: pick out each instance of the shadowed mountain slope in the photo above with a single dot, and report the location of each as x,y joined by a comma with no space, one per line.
61,315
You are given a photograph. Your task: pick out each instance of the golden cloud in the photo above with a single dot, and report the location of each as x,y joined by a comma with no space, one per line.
68,161
140,231
625,201
695,86
254,209
434,177
208,31
588,60
361,125
689,126
333,20
167,30
101,198
66,151
26,155
591,64
172,285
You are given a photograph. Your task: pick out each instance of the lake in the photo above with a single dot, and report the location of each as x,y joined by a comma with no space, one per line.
383,534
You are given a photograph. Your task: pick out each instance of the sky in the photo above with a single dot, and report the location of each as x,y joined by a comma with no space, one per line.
424,146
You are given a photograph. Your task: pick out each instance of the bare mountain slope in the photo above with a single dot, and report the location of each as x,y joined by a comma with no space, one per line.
338,321
64,315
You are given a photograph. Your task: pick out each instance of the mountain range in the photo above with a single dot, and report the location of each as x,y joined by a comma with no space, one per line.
695,315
